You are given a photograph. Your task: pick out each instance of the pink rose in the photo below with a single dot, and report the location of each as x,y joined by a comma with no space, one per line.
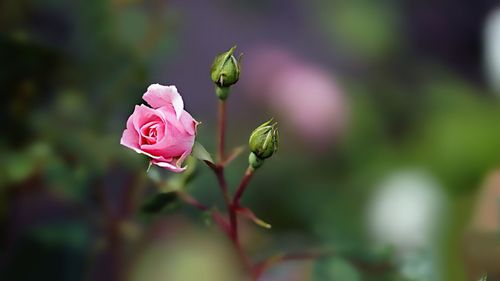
165,132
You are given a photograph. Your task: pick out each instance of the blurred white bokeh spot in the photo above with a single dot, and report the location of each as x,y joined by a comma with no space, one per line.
406,211
492,48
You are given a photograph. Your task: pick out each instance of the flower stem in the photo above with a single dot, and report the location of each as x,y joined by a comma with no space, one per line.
234,221
243,256
222,131
218,169
243,184
191,201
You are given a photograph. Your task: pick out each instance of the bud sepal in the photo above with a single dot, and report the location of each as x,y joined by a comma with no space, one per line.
222,92
255,161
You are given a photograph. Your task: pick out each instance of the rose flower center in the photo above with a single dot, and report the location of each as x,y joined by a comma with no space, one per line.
150,133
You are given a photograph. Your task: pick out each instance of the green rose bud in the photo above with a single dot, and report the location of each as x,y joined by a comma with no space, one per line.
264,140
225,69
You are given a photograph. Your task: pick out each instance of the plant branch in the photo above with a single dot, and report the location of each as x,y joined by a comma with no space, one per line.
243,184
234,220
218,169
243,256
192,201
222,131
219,173
221,180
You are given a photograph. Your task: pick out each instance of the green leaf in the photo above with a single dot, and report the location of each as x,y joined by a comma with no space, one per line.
484,278
200,153
159,202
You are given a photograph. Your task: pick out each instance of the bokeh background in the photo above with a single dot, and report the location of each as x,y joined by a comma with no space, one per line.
390,138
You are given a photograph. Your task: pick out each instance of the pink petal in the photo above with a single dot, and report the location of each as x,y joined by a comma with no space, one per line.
146,128
168,166
184,124
130,137
183,157
167,163
143,114
176,139
189,123
158,96
169,147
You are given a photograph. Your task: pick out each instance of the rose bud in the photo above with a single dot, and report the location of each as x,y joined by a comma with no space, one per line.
225,72
263,141
165,132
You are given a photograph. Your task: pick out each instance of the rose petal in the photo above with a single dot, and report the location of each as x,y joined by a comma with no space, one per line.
158,96
167,163
130,137
188,123
169,147
143,114
168,166
183,157
154,126
185,124
176,140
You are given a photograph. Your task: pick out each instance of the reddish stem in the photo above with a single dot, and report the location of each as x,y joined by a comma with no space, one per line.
243,256
233,220
243,184
219,173
192,201
222,131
